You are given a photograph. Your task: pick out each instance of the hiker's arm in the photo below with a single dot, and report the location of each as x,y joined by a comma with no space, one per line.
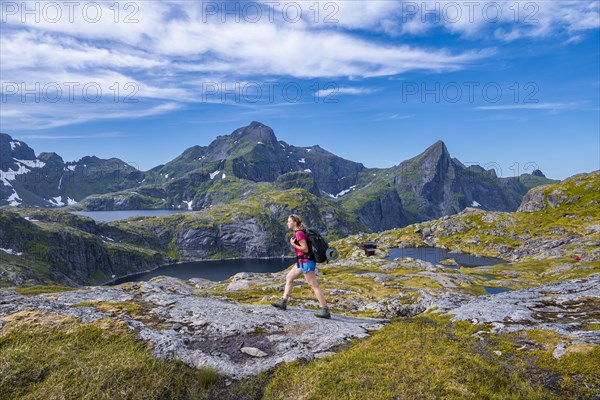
301,245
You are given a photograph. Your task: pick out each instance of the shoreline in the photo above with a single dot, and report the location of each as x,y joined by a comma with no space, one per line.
110,283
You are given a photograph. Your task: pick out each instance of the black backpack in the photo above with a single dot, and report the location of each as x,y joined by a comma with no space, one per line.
317,246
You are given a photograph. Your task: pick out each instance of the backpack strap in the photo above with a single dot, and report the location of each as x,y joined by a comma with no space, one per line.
305,256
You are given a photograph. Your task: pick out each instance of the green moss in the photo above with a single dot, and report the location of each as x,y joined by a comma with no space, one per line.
591,327
534,272
546,338
474,290
106,306
62,358
422,283
575,375
33,290
423,357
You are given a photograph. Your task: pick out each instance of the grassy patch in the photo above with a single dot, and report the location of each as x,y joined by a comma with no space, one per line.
33,290
591,327
115,307
575,375
59,358
419,282
534,272
429,357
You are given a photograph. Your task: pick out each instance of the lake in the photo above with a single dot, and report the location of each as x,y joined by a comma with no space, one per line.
219,270
214,270
436,255
108,216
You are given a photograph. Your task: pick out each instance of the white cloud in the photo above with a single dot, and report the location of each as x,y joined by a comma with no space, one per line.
334,91
131,23
399,116
505,20
35,49
42,116
395,116
367,15
166,49
261,48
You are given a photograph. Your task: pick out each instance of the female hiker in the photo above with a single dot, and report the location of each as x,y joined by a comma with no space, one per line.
304,265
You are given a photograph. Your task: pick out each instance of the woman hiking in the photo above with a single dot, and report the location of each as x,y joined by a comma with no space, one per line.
304,265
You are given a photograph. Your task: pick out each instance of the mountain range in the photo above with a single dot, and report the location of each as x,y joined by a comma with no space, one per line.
252,162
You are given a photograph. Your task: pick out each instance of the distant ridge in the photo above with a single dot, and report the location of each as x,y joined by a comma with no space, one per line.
429,185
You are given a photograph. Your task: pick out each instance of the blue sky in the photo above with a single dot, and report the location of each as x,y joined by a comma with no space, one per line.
510,85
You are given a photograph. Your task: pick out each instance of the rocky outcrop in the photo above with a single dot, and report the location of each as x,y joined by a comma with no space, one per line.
538,200
384,212
546,197
247,238
297,180
236,340
78,253
533,200
124,201
182,321
564,307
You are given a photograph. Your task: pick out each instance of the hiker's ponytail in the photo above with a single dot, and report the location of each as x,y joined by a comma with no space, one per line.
298,221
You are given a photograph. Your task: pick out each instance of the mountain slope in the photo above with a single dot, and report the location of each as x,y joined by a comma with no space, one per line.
41,246
47,181
254,153
557,222
54,246
434,184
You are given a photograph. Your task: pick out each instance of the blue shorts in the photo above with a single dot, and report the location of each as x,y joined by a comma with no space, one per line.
307,266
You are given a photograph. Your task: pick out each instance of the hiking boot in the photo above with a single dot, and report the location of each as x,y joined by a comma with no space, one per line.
323,313
281,303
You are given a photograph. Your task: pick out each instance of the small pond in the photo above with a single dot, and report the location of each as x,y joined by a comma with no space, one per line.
436,255
495,290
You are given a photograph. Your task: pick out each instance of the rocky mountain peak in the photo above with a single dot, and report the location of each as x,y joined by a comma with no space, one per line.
256,131
51,158
431,165
434,153
89,160
14,149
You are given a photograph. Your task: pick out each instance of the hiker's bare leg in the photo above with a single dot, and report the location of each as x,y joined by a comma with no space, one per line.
311,278
289,281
